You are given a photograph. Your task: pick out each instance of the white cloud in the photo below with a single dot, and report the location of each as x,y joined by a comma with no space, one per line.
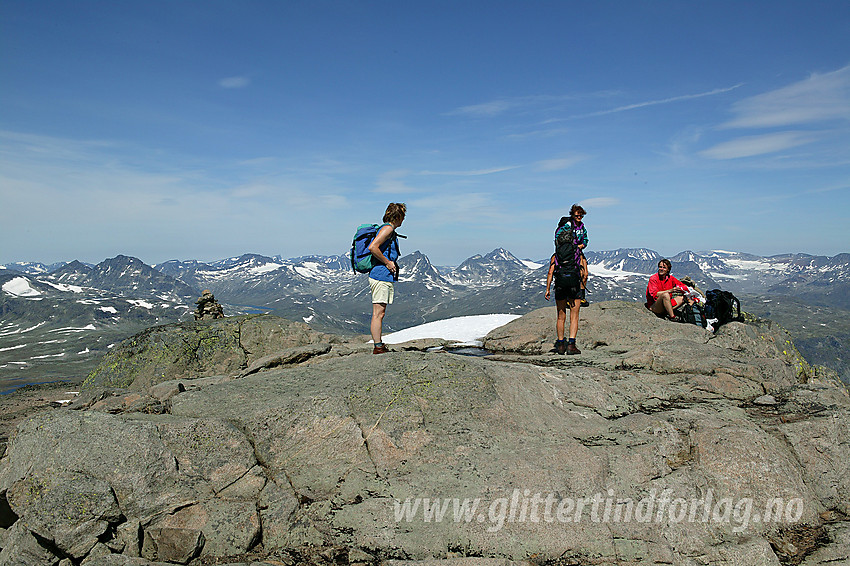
471,173
658,102
234,82
749,146
392,182
560,163
134,202
551,133
530,103
819,98
486,109
461,207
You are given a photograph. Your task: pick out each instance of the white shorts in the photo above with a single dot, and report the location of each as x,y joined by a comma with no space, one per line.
382,291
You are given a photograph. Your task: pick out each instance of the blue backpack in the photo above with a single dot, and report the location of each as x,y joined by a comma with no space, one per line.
361,257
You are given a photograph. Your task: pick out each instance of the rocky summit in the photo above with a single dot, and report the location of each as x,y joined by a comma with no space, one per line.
660,444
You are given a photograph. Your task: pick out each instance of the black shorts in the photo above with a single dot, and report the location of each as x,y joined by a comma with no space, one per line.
567,293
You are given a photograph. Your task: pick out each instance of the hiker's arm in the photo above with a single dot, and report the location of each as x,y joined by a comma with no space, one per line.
549,276
375,247
652,289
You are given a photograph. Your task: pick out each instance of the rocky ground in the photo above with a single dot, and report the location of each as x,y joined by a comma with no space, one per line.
213,443
29,400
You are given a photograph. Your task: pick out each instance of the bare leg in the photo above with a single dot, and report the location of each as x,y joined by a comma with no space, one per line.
575,305
583,272
378,312
663,305
561,305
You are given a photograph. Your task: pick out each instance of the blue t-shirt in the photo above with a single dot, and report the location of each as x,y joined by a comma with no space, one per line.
390,250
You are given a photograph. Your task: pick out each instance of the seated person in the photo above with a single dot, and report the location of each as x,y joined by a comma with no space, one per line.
665,293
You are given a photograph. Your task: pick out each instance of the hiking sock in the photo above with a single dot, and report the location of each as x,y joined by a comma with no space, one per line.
571,341
379,344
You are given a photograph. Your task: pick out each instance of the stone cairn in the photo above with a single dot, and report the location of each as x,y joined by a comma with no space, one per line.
208,306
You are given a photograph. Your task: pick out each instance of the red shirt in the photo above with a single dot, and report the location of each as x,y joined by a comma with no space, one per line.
656,284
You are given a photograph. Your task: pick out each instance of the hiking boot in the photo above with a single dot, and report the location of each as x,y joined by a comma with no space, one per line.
585,303
572,350
674,318
561,346
382,349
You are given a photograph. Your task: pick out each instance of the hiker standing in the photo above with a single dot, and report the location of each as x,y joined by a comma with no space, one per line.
577,212
565,269
385,252
665,293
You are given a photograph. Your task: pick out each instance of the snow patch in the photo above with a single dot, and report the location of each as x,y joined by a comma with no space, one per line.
112,310
749,264
48,356
19,331
140,303
20,287
726,276
530,264
600,270
465,329
64,287
72,329
260,269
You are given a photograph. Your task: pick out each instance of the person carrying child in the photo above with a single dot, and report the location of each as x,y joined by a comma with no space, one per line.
577,213
565,269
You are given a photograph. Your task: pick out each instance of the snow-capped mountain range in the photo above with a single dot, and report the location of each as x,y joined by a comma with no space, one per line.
119,296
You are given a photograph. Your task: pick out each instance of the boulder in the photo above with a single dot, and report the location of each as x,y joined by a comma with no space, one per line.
203,348
625,455
68,508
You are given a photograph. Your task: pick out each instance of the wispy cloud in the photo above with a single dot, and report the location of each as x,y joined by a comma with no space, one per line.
819,98
522,104
130,199
392,182
559,164
547,133
749,146
466,208
486,109
234,82
658,102
831,188
471,173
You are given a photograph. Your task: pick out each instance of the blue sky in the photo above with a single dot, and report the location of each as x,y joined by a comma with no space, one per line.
203,130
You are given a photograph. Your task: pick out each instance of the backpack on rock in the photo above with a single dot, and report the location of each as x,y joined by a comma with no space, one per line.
693,314
722,305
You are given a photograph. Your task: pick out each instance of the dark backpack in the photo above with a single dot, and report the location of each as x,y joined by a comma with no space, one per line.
722,305
566,250
693,314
